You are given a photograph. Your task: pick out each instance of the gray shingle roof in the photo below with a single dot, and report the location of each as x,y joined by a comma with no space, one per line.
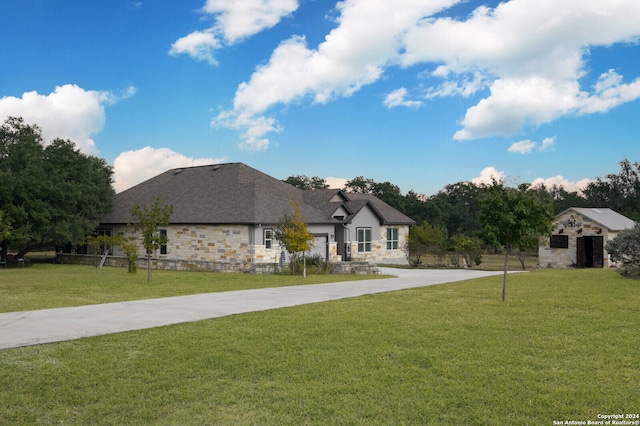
388,214
607,218
235,193
353,202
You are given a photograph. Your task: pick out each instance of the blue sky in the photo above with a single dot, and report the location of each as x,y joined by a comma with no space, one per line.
420,93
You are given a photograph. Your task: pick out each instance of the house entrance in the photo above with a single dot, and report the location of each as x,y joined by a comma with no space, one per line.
343,247
320,247
590,252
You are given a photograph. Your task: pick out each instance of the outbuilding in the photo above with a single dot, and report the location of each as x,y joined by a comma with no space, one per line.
580,236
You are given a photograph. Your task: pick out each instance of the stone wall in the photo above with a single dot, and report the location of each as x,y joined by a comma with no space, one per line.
573,226
169,264
363,268
360,268
379,252
207,243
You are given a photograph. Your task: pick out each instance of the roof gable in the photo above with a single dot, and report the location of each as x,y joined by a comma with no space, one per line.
604,217
387,214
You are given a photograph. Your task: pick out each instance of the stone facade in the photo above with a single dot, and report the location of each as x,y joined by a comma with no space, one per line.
379,252
569,228
241,248
220,244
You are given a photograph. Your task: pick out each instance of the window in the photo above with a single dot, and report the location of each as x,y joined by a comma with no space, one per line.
268,238
163,247
392,238
364,239
559,241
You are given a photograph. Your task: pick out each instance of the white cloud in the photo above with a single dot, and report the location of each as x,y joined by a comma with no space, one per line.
522,147
609,92
199,45
530,54
559,180
353,55
533,53
464,86
488,175
527,146
133,167
397,98
514,103
234,21
336,182
547,144
237,20
69,112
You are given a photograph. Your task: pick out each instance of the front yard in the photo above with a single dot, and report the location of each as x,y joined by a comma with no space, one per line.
564,346
53,286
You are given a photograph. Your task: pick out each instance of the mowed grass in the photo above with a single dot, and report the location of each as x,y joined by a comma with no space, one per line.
44,286
564,346
495,262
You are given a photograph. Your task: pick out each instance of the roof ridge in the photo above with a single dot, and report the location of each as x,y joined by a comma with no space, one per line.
203,165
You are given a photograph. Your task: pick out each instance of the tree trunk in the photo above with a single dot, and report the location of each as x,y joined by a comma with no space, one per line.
304,265
504,276
148,267
21,254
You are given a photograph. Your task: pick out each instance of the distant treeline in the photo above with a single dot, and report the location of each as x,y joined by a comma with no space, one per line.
455,207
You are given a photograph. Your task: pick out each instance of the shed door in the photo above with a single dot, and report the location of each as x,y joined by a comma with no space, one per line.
590,252
580,252
598,252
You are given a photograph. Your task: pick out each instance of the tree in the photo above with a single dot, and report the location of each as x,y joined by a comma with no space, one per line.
527,247
50,196
620,192
625,248
295,236
148,220
456,208
306,182
560,197
98,244
469,247
360,185
427,239
512,216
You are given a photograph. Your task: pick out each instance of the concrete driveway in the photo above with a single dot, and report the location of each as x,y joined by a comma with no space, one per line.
54,325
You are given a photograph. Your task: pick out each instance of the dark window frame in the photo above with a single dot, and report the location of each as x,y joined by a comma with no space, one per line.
392,238
559,241
364,243
163,247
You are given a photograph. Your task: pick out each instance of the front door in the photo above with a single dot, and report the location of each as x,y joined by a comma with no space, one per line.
339,233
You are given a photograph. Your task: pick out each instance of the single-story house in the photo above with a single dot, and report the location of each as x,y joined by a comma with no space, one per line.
225,214
579,238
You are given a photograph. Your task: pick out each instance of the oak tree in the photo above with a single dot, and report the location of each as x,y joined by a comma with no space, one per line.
50,195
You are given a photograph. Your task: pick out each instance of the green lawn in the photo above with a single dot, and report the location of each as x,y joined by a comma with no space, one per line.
564,346
495,262
43,286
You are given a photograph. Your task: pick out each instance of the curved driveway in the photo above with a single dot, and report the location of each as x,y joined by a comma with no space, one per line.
54,325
